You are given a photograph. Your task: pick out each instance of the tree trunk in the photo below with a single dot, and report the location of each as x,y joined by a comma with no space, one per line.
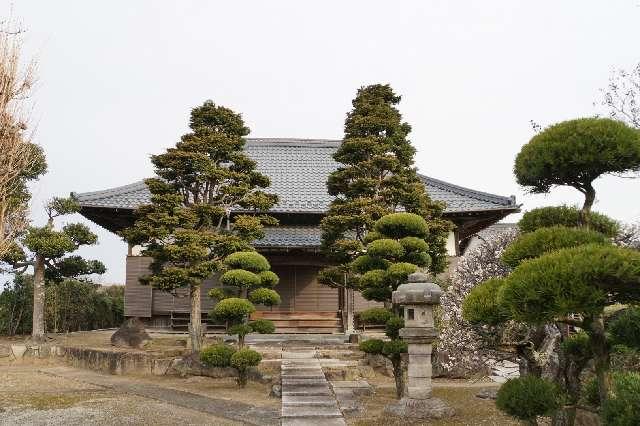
589,198
398,374
350,301
37,331
195,323
601,357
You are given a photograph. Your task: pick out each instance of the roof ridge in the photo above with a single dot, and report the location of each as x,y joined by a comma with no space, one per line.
461,190
328,143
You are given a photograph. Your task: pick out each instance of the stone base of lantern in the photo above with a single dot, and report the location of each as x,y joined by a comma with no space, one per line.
430,408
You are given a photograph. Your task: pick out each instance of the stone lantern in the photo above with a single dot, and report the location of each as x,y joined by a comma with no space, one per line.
418,298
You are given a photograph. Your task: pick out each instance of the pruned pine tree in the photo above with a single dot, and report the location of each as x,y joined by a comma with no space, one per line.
376,176
188,229
47,250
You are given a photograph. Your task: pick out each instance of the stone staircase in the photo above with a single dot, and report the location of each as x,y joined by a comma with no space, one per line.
307,398
302,322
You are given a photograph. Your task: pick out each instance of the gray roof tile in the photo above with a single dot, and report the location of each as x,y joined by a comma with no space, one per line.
298,169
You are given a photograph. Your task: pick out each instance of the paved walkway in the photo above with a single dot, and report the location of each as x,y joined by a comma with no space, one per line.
222,408
307,398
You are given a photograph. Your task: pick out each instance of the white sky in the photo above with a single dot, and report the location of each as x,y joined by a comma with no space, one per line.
118,78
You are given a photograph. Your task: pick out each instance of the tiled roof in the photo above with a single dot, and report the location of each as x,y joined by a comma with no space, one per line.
298,169
290,237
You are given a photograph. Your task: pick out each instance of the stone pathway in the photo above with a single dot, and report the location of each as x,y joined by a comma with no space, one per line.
307,398
244,413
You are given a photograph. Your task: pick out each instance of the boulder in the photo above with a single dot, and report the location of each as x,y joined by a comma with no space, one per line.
131,334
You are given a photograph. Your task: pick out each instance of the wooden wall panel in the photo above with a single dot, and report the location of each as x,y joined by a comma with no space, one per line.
137,297
310,294
361,303
286,287
162,302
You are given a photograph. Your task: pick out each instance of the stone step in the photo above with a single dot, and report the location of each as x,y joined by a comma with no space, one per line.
301,376
303,382
299,354
291,421
308,392
307,411
307,399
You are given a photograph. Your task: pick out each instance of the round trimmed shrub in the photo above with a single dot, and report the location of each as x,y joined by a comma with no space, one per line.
527,397
240,330
240,278
545,217
371,346
400,225
264,296
232,309
375,278
419,258
364,263
242,360
385,248
268,279
481,304
372,236
623,407
375,316
399,272
249,260
414,244
394,348
217,293
393,326
217,355
379,294
625,328
262,326
544,240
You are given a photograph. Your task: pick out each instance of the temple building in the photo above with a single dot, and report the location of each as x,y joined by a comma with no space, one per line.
298,169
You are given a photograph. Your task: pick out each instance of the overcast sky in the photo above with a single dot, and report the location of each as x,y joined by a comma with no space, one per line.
118,78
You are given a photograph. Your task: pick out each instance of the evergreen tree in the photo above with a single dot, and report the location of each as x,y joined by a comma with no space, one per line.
46,249
376,176
189,228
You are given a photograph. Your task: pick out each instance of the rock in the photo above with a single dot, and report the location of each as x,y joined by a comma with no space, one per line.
430,408
131,334
276,391
161,366
490,393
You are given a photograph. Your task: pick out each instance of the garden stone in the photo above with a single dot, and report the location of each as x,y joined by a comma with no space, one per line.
276,391
19,350
490,393
131,334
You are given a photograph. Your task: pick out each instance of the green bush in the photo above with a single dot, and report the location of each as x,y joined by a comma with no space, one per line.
262,326
379,294
546,217
232,309
268,279
264,296
400,225
249,260
623,407
481,305
544,240
590,393
419,258
385,248
577,347
393,326
240,330
240,278
242,360
372,236
414,244
364,263
372,346
527,397
375,316
394,348
398,272
625,328
374,278
217,355
574,280
217,293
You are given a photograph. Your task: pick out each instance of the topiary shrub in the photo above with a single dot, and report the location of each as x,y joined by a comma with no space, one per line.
399,272
249,260
217,293
544,240
623,407
546,217
268,279
264,296
481,304
414,244
240,278
217,355
625,328
232,309
385,248
365,263
371,346
375,316
393,326
262,326
527,397
242,360
240,330
400,225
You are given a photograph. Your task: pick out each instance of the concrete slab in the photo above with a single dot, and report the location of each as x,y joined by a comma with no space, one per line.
306,411
304,381
337,421
308,399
